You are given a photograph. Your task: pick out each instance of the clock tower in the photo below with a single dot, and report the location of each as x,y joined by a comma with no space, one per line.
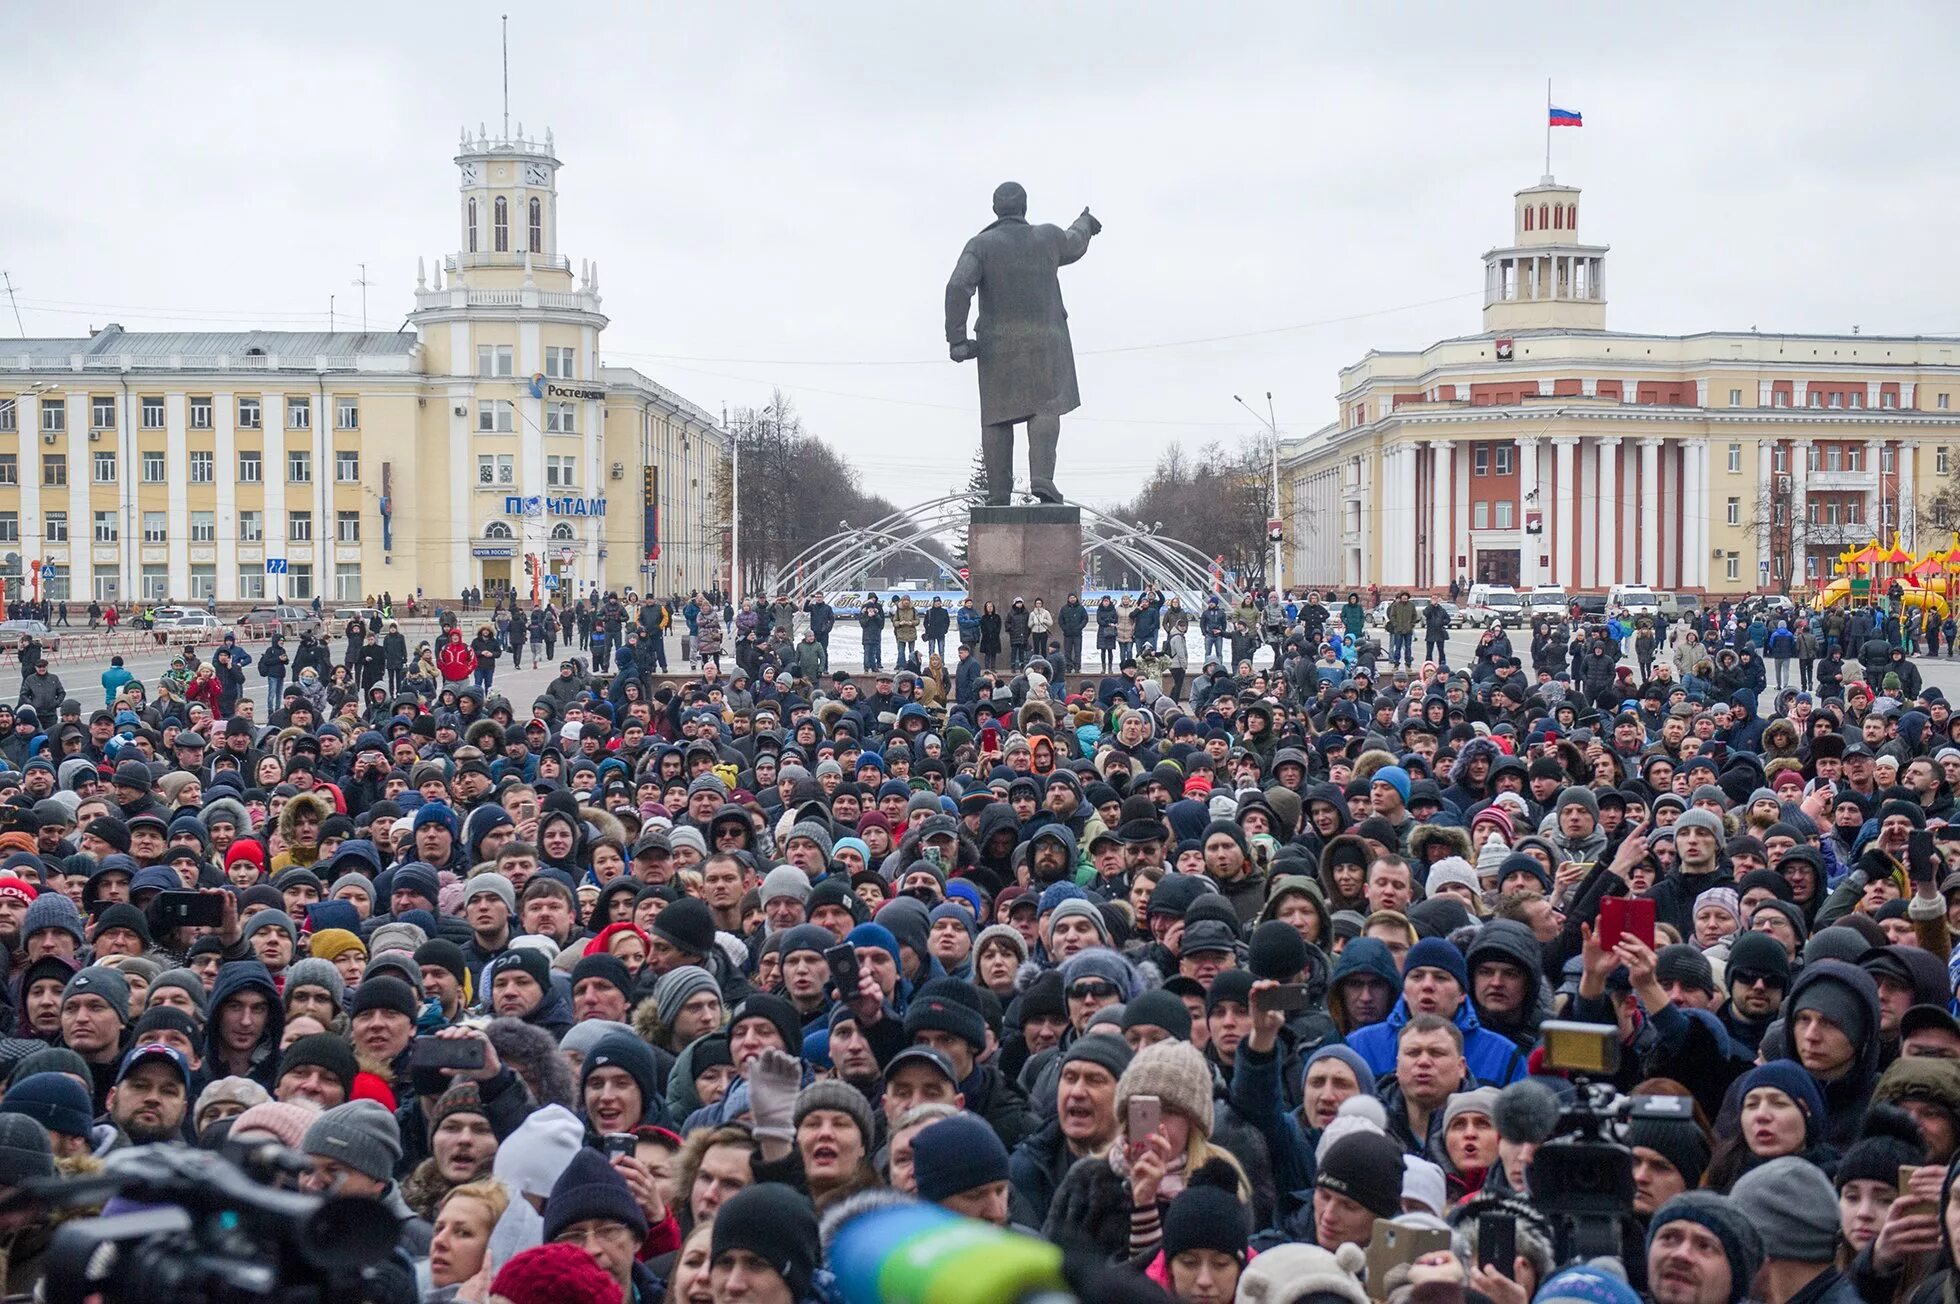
507,207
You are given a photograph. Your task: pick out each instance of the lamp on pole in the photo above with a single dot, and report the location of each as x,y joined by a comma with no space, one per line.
1272,428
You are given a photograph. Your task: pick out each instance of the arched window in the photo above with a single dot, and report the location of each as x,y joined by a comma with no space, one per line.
561,531
1527,217
1558,217
1572,217
1544,218
537,225
472,226
500,217
496,530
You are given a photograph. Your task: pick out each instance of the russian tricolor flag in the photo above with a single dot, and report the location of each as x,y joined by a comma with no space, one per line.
1567,118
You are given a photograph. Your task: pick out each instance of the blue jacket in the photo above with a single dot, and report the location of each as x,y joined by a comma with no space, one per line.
1495,1061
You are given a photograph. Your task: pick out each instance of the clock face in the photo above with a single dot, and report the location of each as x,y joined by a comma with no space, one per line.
535,174
469,174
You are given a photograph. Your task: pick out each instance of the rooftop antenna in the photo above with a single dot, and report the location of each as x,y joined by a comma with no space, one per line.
506,19
8,278
363,282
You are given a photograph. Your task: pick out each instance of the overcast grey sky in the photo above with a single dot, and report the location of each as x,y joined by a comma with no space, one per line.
776,193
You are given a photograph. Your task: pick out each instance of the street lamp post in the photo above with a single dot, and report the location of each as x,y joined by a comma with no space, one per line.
1272,428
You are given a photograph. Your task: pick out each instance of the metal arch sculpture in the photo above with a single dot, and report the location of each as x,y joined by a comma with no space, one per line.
834,563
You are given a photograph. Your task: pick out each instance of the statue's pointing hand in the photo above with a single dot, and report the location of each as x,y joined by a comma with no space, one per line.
1095,227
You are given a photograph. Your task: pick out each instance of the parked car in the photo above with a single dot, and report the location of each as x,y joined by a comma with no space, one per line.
1548,601
341,615
1499,602
1637,599
13,633
186,619
261,622
1590,606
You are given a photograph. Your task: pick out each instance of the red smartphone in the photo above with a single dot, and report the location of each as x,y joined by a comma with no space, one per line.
990,739
1621,916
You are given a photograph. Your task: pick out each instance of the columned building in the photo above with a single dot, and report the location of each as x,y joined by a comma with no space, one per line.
1549,451
489,446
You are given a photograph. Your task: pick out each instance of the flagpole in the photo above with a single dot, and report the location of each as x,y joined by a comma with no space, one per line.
1548,128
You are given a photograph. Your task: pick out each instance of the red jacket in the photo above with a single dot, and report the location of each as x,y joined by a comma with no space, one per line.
456,661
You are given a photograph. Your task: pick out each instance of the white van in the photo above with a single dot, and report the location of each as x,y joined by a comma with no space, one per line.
1548,601
1498,602
1637,599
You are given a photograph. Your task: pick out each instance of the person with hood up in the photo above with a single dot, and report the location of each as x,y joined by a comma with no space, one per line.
1436,981
246,1024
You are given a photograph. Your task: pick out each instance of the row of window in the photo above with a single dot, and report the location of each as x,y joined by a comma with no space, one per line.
498,416
249,414
499,470
500,225
203,467
154,583
500,360
1556,217
1838,457
204,527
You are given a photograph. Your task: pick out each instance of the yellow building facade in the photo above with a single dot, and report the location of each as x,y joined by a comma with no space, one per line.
488,446
1547,450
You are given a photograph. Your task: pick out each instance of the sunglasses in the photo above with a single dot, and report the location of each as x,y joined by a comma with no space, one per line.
1750,977
1093,989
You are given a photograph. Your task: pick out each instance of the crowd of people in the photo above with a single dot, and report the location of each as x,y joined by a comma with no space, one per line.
1228,988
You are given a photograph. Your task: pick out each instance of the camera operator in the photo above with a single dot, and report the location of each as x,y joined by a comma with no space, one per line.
354,1149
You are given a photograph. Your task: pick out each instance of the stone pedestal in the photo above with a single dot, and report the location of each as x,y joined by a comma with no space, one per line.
1024,552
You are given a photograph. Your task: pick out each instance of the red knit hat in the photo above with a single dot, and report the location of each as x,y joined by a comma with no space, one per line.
555,1274
369,1086
246,849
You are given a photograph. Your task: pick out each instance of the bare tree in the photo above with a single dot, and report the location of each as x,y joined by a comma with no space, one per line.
1778,519
1216,499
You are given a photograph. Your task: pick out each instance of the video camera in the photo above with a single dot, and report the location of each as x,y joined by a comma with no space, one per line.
1582,1176
214,1231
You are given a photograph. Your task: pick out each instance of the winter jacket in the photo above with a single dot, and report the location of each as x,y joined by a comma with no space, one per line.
1493,1059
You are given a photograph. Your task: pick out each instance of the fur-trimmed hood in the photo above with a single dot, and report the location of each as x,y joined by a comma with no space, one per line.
1422,836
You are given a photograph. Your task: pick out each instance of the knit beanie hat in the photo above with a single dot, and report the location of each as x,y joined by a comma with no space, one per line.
463,1098
785,881
1081,908
54,1100
1102,962
493,883
188,981
1682,963
554,1274
956,1154
359,1134
1366,1167
1364,1076
778,1225
1453,869
1793,1208
315,972
26,1150
1438,953
1680,1141
1577,796
591,1188
265,919
687,925
242,1092
332,943
322,1050
1106,1052
1481,1101
1741,1244
1276,952
1831,992
935,1008
1586,1284
1176,1073
675,988
285,1119
844,1099
628,1053
1208,1214
100,980
1159,1009
52,910
384,993
1294,1272
1006,934
1757,953
1706,820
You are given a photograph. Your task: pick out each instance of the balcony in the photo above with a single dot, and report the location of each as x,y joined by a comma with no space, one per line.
1852,481
1839,535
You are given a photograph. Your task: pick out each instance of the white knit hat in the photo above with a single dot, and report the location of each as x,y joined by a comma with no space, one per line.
1452,869
1490,858
1290,1272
